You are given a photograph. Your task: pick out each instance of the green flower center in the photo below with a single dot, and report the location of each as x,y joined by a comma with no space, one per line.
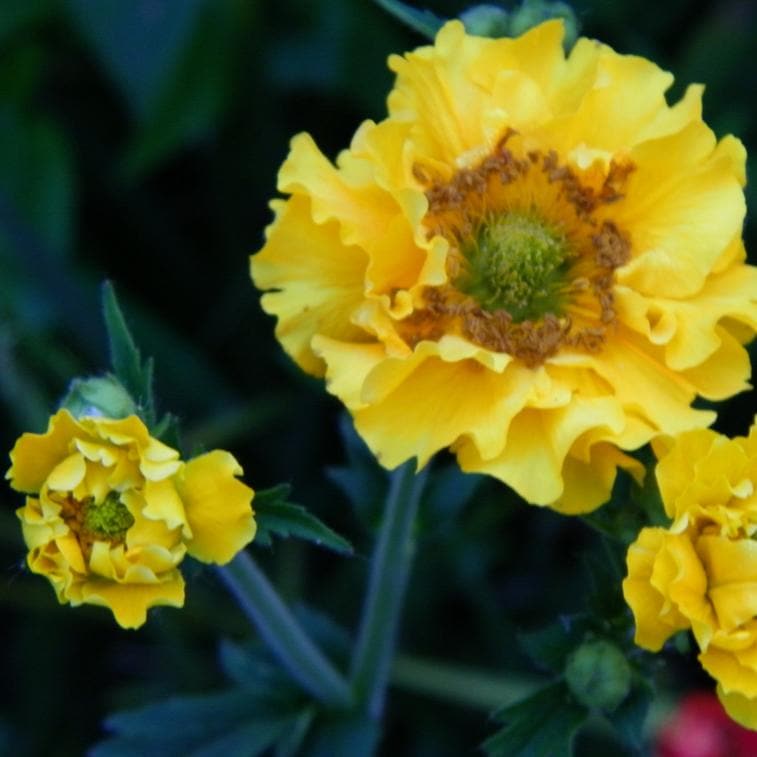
109,519
516,262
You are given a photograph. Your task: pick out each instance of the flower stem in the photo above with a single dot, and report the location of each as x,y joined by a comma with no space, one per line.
390,569
283,634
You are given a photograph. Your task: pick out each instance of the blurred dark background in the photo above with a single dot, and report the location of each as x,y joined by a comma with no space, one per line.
139,141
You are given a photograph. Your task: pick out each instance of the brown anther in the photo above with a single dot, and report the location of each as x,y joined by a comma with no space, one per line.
461,206
611,248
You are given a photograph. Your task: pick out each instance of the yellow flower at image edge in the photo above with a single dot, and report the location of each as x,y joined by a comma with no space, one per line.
701,573
112,512
534,261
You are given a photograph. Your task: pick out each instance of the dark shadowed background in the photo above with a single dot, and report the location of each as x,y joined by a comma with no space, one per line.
139,141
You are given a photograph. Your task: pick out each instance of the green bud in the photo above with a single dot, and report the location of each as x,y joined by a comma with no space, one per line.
598,675
533,12
486,21
100,396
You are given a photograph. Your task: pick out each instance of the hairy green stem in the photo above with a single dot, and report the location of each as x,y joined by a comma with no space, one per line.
283,634
390,568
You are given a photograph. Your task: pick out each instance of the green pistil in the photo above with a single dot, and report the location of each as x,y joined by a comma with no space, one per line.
109,519
516,262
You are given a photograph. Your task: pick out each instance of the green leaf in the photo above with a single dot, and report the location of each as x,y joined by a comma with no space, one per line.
139,43
136,377
422,21
274,515
349,735
251,665
549,647
543,725
237,722
200,89
628,720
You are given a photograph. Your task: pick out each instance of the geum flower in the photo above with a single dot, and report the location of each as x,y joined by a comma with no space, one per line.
701,572
112,512
534,261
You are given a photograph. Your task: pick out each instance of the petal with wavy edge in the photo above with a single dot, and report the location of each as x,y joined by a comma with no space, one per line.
655,622
437,403
162,502
129,602
320,281
217,506
35,455
67,474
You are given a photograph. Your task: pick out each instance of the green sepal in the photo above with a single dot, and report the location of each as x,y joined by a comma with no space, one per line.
276,516
126,362
422,21
543,725
598,675
99,396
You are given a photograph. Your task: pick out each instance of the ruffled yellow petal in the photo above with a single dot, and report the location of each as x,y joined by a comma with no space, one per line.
129,602
35,455
162,502
684,204
217,507
68,474
730,674
655,617
348,196
731,568
740,708
588,483
323,279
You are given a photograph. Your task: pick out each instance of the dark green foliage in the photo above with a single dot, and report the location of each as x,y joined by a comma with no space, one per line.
275,515
543,725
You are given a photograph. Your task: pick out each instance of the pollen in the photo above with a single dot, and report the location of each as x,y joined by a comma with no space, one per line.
532,253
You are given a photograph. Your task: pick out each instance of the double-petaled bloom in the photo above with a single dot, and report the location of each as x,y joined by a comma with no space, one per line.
701,572
534,261
112,512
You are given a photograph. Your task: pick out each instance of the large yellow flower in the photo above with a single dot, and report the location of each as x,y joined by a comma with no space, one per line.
114,511
701,574
533,260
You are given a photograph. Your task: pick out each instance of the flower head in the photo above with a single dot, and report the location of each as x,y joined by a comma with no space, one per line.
533,260
112,512
701,573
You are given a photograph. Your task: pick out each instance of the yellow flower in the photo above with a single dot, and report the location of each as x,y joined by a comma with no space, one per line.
113,511
534,261
701,574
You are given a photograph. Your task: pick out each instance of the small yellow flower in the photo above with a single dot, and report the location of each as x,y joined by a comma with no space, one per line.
113,511
701,574
534,261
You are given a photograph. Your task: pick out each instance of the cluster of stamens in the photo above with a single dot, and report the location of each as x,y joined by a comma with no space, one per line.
89,521
571,304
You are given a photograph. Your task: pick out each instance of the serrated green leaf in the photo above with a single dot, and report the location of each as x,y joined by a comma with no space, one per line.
126,361
239,721
422,21
543,725
274,515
